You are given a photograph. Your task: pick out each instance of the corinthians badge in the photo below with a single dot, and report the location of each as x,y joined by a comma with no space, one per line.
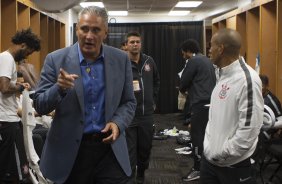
223,91
147,68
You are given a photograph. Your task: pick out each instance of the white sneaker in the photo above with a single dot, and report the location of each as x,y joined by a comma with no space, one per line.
183,149
184,152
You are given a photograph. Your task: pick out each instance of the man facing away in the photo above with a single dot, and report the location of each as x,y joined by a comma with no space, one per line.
198,78
146,83
89,85
24,43
235,116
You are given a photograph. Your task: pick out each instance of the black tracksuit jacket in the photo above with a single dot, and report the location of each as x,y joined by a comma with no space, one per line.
146,72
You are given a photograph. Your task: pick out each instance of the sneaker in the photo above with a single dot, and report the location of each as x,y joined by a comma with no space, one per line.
187,148
184,152
192,175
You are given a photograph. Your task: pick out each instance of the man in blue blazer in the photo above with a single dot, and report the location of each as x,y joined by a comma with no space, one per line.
89,85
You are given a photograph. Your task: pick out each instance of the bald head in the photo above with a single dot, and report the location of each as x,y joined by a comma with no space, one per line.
231,41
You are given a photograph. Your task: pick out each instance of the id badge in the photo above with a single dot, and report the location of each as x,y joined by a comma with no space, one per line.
136,86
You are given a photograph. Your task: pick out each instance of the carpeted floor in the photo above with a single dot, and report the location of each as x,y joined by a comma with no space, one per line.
167,167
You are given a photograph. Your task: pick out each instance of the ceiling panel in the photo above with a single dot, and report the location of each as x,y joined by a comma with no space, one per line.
162,7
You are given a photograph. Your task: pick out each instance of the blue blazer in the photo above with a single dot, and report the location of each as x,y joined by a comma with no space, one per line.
64,137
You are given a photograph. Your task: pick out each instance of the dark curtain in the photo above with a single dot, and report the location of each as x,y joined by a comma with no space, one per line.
161,41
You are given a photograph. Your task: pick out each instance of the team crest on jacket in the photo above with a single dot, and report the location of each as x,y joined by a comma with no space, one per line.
223,91
147,68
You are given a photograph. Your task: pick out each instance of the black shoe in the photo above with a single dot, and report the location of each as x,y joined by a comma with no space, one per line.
183,139
192,175
140,180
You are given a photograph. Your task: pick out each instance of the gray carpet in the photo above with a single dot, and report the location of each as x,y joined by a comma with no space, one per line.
167,167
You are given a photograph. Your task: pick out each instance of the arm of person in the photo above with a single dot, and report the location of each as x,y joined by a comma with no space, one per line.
20,112
6,87
126,110
26,75
47,93
33,73
250,122
52,87
187,76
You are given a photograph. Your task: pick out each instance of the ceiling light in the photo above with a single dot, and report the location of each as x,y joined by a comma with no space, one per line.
188,4
178,13
118,13
86,4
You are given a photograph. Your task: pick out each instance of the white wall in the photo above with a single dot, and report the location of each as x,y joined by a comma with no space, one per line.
70,17
242,3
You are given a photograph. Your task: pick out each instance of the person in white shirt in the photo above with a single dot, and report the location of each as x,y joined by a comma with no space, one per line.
24,43
235,116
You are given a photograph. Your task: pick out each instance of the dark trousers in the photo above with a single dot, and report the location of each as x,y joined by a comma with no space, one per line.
239,173
39,137
96,164
199,119
12,152
38,144
139,142
187,109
